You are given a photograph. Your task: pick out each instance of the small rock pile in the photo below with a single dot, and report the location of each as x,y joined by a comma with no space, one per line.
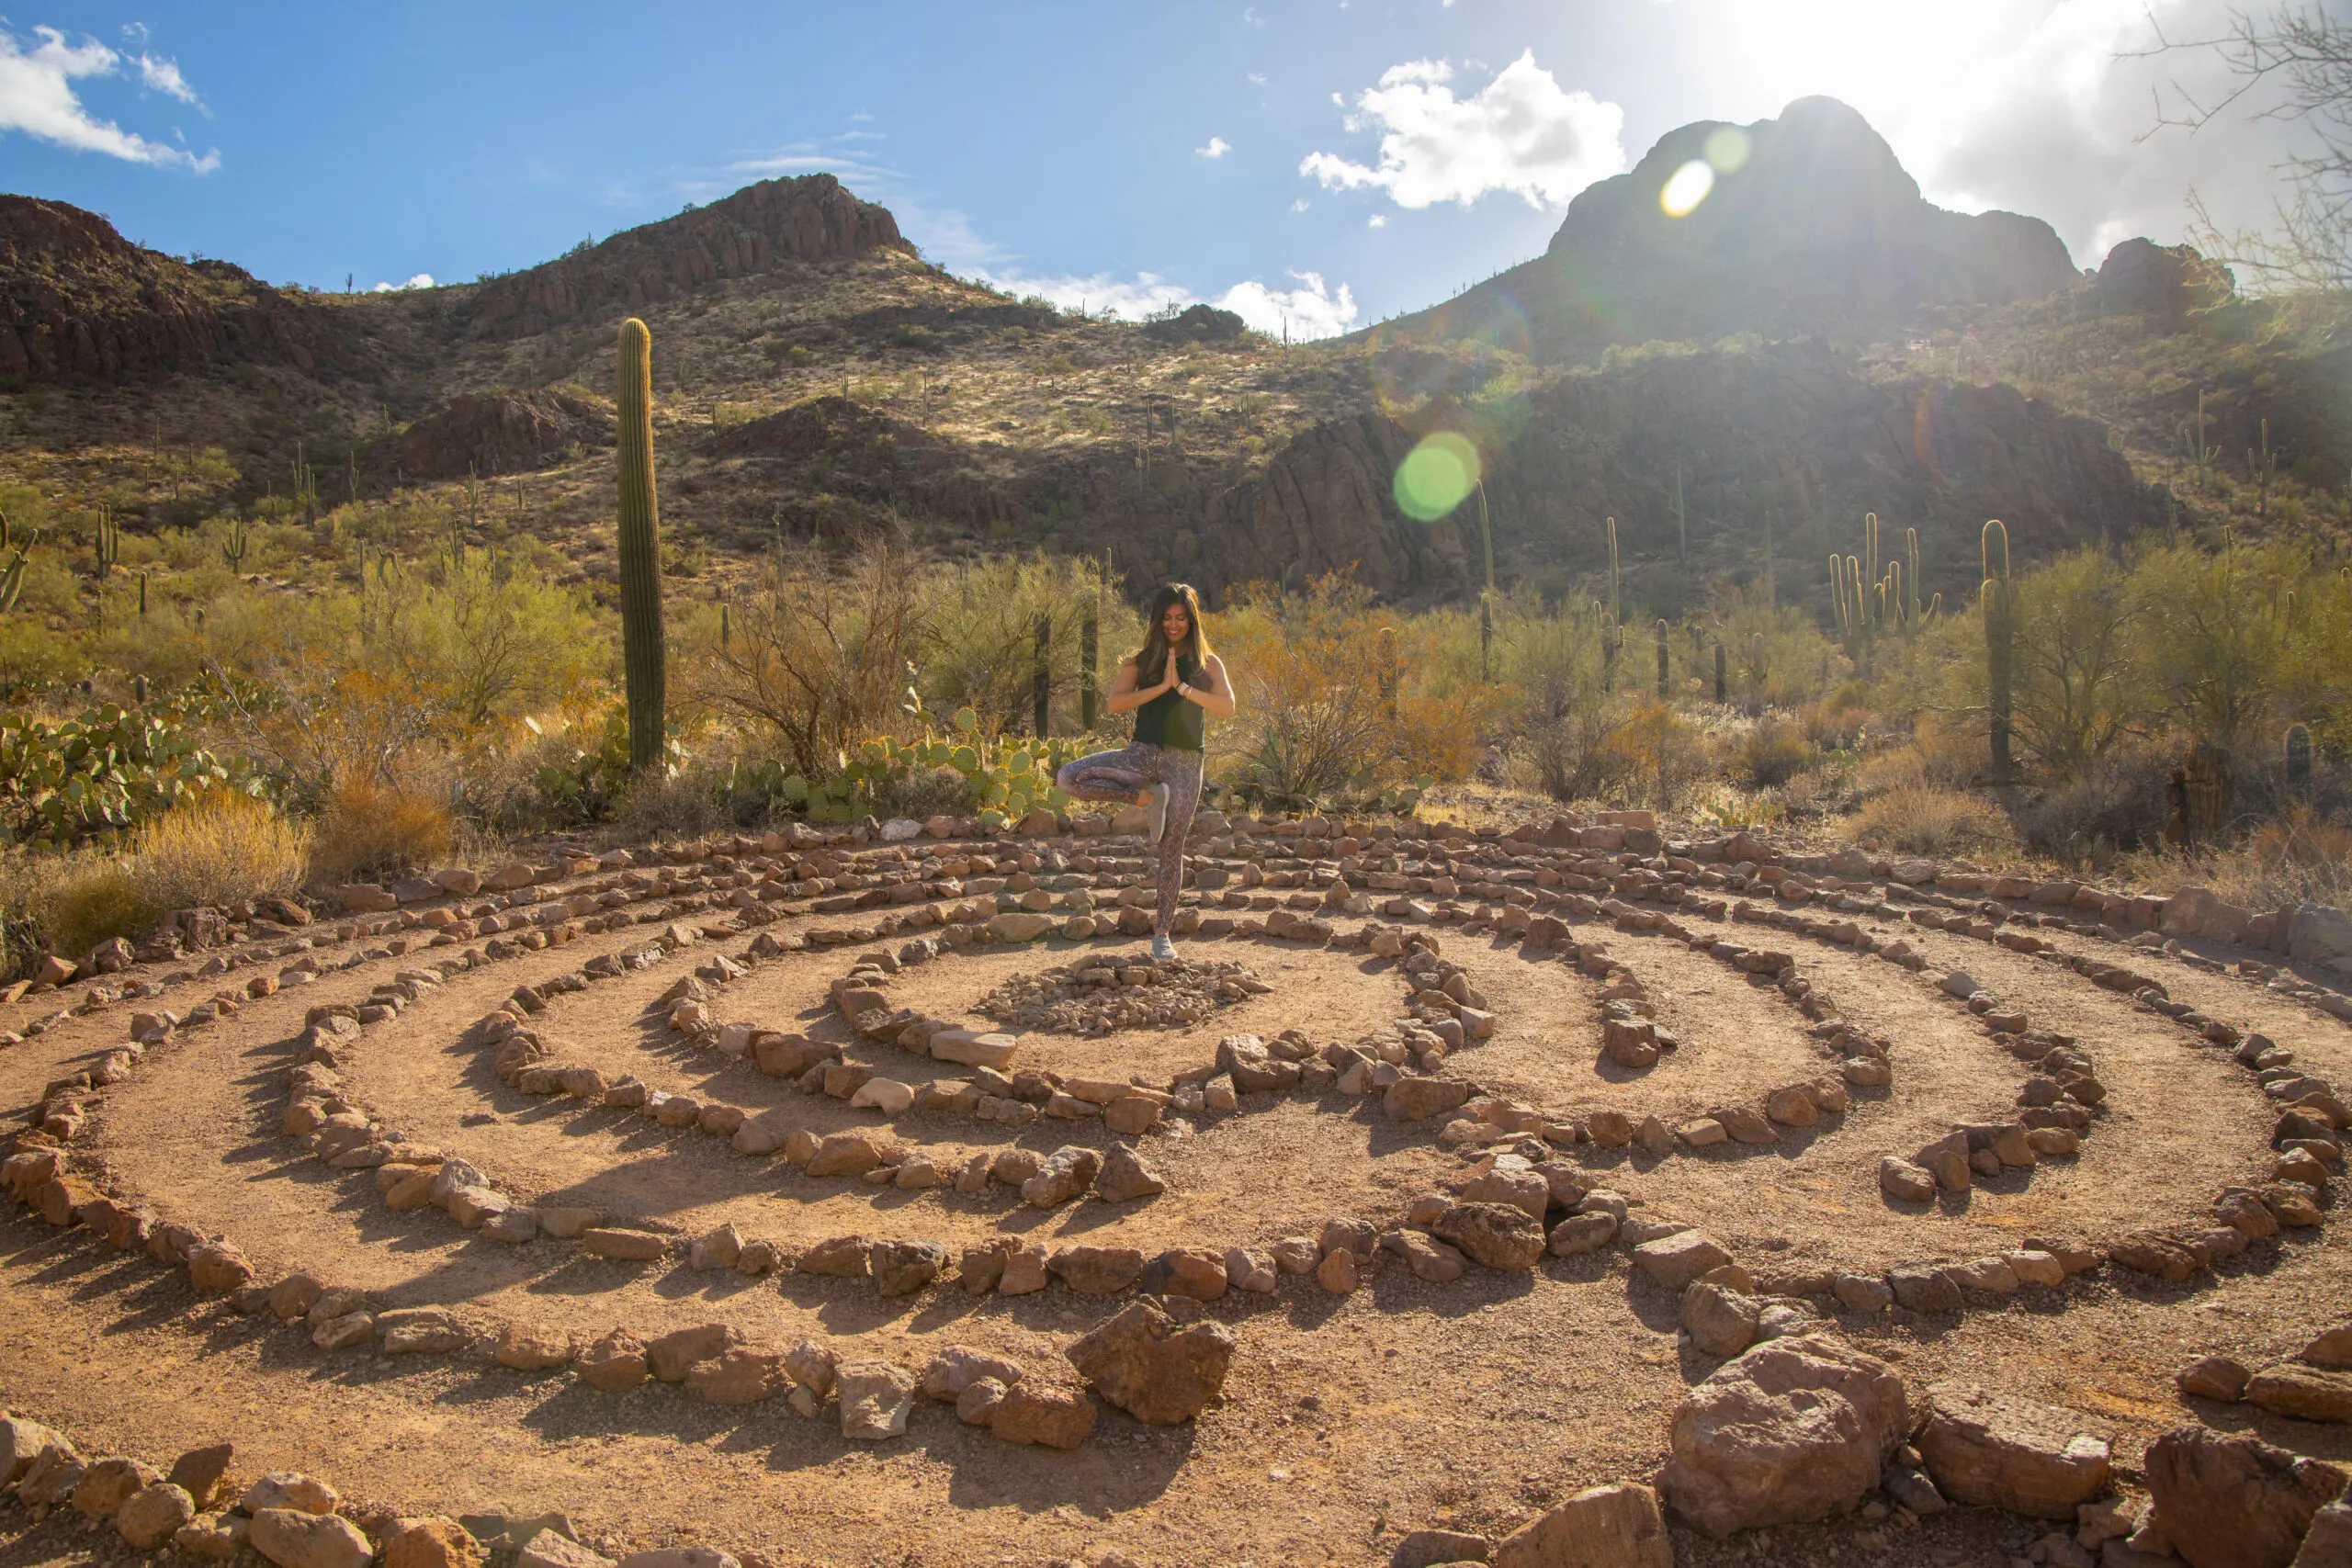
1106,992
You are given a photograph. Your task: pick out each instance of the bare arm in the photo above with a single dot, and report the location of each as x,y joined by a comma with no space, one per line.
1215,691
1128,692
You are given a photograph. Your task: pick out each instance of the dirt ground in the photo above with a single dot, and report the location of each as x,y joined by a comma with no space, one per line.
1346,1420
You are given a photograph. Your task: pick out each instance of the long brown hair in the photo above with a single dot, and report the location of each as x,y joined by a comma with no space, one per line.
1153,657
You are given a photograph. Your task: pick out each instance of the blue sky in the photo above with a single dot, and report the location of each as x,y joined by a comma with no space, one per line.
1327,162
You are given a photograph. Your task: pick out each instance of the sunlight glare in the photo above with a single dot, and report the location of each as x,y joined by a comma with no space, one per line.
1686,188
1726,149
1437,475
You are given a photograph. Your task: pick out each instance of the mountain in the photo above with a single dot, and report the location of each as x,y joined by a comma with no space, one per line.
1810,224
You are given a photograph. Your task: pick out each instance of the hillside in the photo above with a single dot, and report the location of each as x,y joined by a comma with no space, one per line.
1811,342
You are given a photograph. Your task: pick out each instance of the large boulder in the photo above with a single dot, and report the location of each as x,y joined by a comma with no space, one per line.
2321,934
1144,1366
2004,1452
292,1538
2235,1502
1795,1430
1500,1236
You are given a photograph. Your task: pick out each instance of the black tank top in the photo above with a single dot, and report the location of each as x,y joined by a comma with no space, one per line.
1172,719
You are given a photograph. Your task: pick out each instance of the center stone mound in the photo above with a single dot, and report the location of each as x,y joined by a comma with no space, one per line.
1103,993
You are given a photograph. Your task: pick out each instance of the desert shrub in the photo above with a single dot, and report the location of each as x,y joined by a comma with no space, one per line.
370,828
86,900
979,638
683,804
1919,820
98,776
2117,802
223,848
814,664
1655,754
1772,753
2300,857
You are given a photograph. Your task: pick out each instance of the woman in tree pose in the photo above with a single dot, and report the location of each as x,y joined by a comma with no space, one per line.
1172,684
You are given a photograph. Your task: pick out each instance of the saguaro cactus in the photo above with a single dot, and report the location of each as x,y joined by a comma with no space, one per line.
2298,759
2000,627
1090,634
1723,689
1661,659
1389,666
1041,675
643,649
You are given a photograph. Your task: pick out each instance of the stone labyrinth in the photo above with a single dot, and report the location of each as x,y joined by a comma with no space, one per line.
904,1139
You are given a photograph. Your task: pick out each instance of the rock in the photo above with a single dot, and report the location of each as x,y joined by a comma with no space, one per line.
1675,1261
886,1095
109,1484
1429,1548
1428,1259
1582,1232
846,1153
1904,1181
552,1548
1125,1177
2308,1393
1720,1322
2235,1502
1499,1236
1065,1177
957,1368
1914,1491
1863,1292
1997,1451
295,1539
1413,1098
2214,1377
679,1557
2328,1543
290,1489
213,1535
152,1516
1962,984
1030,1413
2332,1348
1195,1272
1793,1430
1093,1271
1339,1273
1925,1290
198,1472
740,1375
902,1268
1947,1159
875,1399
676,1353
1144,1365
430,1544
2320,934
52,1477
1246,1268
624,1245
22,1441
1604,1526
612,1364
1516,1184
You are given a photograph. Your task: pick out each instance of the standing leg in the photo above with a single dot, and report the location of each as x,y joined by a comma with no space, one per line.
1184,780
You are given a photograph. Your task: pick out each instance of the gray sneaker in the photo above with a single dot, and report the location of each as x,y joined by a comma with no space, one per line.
1156,815
1161,948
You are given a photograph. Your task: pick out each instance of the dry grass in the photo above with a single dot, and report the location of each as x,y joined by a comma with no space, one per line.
1920,819
224,848
367,829
2300,859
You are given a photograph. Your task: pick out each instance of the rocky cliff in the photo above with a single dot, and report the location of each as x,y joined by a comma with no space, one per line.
1811,225
757,230
79,303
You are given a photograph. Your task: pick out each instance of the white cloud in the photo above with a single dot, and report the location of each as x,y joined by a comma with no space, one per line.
421,281
1521,133
163,76
1250,16
37,97
1218,148
1299,206
1377,221
1311,310
1254,79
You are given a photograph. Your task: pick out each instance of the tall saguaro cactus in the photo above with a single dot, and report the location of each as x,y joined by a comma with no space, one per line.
642,651
1662,685
2000,631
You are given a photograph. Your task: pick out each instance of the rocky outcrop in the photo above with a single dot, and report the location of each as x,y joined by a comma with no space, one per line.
757,230
1817,227
484,434
2141,277
79,303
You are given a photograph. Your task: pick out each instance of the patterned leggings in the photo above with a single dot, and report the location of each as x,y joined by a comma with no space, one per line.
1118,775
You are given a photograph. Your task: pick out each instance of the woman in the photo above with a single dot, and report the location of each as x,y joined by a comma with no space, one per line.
1171,684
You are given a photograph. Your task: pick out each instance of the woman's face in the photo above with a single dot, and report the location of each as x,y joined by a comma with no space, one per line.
1175,624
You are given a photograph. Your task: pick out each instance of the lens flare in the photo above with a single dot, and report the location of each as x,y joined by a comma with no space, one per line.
1726,149
1436,476
1686,188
